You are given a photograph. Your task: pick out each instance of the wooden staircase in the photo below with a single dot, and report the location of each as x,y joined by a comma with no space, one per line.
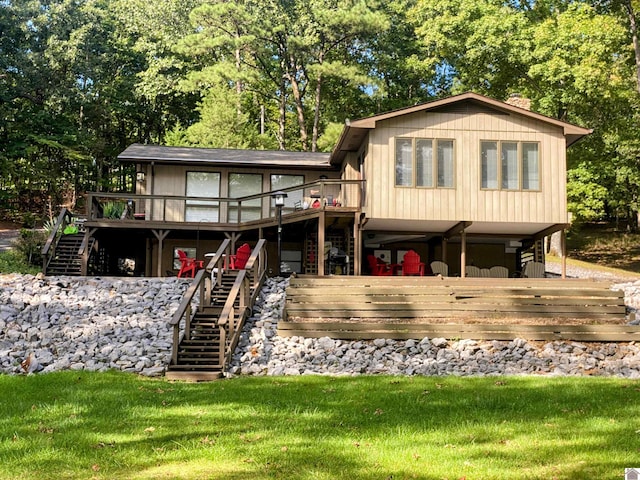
203,348
200,354
66,259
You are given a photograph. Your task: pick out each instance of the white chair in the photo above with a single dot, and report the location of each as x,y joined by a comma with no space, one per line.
498,271
534,270
472,271
440,268
485,273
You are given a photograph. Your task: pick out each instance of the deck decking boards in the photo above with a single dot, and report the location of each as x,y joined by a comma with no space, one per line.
479,308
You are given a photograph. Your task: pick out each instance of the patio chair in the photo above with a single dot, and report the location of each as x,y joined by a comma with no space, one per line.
440,268
472,271
534,270
378,268
241,257
498,271
411,264
188,266
485,273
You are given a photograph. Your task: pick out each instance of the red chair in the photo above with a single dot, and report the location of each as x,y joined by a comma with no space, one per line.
188,266
411,264
240,259
379,268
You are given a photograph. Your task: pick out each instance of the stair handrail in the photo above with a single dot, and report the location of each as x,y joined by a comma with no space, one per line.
232,318
48,251
245,289
201,285
257,266
215,268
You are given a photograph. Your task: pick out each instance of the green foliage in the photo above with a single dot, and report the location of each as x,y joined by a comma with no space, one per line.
80,81
115,425
29,246
13,261
113,209
587,196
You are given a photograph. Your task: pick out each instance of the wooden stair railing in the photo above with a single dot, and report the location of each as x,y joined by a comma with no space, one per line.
67,254
203,343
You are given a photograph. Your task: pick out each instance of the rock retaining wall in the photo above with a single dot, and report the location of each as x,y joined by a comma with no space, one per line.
114,323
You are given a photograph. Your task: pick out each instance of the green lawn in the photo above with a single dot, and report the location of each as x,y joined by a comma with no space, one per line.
115,425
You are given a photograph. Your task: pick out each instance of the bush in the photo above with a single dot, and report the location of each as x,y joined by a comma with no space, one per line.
29,246
13,261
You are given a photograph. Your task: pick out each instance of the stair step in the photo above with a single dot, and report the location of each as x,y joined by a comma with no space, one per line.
193,376
210,367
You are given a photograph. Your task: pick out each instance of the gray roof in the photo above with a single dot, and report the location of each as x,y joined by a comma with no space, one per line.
197,156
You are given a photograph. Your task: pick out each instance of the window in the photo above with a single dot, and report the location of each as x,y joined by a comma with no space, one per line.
281,182
244,185
202,184
431,161
517,168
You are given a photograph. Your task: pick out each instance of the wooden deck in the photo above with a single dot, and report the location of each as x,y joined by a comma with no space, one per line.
479,308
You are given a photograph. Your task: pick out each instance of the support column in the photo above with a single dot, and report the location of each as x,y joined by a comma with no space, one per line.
320,256
463,254
444,249
563,248
357,246
160,235
234,237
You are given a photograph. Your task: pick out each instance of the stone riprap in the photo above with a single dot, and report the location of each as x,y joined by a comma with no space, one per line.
114,323
262,352
87,323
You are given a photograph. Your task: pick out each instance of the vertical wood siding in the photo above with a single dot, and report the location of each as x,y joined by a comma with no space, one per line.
466,201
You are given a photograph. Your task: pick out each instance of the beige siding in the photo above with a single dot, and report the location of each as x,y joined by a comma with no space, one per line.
466,201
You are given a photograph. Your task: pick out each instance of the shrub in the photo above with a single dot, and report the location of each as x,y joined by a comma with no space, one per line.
29,245
13,261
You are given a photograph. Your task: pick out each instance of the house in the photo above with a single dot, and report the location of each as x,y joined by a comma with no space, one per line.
468,180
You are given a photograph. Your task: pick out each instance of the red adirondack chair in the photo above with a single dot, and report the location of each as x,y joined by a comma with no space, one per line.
188,266
411,264
240,259
378,268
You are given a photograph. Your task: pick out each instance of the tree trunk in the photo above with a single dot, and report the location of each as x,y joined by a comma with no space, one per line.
316,115
634,37
297,98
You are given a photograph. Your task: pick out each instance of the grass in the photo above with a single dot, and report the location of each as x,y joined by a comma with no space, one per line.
79,425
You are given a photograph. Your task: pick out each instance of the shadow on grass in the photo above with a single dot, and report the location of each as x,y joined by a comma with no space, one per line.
81,425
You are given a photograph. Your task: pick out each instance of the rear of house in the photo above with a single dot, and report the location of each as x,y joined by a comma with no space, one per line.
467,180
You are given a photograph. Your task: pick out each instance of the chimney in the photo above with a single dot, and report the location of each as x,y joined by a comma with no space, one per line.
519,101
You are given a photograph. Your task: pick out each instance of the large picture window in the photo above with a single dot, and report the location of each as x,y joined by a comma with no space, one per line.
509,165
244,185
424,162
280,182
202,184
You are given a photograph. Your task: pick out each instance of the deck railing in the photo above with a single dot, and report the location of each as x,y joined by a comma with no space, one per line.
324,194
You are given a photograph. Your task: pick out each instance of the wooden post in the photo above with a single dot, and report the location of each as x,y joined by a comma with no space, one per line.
463,254
357,246
320,255
444,249
160,235
563,247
